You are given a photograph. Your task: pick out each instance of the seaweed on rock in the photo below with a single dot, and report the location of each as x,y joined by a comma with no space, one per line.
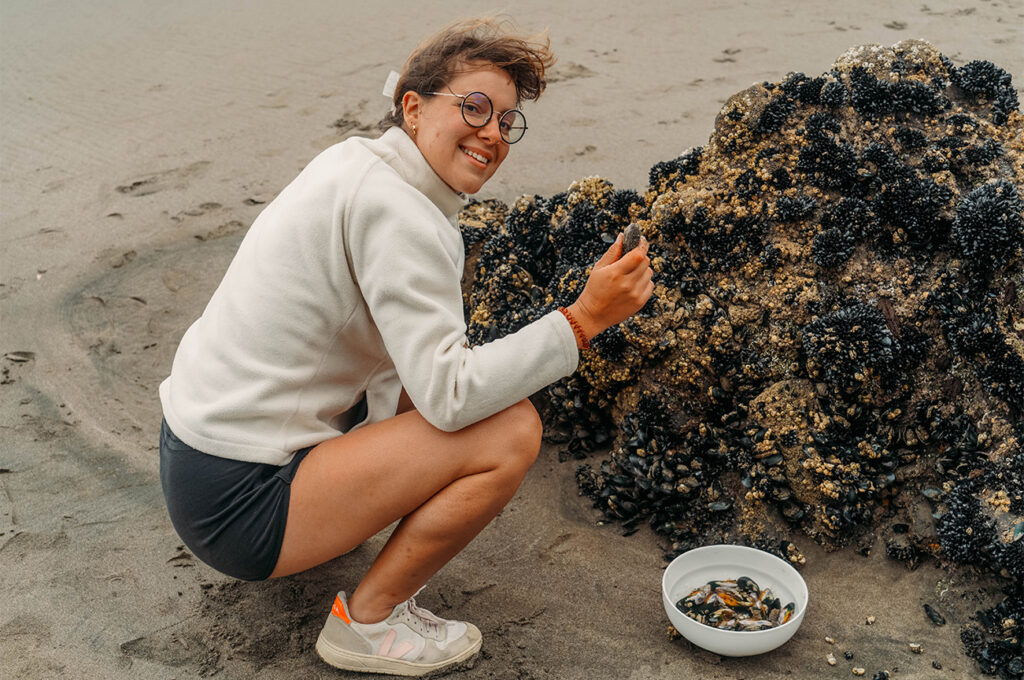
835,343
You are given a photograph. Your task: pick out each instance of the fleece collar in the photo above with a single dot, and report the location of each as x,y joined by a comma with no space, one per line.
409,163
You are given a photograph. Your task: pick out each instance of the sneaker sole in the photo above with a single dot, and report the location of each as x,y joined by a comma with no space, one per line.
368,663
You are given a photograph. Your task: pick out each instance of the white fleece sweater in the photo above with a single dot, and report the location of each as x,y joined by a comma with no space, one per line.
348,283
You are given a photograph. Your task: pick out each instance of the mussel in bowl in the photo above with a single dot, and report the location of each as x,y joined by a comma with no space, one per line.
736,604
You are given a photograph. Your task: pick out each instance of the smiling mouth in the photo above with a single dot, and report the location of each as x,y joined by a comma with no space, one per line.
474,155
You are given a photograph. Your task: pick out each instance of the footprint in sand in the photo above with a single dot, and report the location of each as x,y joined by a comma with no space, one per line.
13,363
346,125
201,209
570,71
221,231
197,211
354,121
728,58
159,181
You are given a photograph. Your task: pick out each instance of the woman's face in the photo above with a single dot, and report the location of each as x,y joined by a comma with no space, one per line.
464,157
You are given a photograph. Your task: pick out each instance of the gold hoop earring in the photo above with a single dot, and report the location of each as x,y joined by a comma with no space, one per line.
413,130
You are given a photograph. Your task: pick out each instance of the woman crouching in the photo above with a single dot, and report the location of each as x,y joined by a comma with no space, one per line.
328,389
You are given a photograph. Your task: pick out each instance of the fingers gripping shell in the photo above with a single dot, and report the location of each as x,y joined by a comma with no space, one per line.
630,238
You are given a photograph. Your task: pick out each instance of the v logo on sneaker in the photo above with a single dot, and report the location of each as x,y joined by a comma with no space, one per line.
396,653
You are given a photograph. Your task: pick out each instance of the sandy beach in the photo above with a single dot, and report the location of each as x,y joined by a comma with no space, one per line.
140,140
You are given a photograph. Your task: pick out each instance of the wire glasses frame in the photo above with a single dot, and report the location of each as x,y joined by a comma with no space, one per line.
477,110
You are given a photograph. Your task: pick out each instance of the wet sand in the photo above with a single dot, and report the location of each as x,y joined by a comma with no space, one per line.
138,143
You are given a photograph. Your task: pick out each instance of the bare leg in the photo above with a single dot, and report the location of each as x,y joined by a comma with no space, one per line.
444,486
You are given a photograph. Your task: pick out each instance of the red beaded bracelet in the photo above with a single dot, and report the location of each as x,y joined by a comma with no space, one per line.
576,328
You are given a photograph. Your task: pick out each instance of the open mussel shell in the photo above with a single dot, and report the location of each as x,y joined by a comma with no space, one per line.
735,604
630,238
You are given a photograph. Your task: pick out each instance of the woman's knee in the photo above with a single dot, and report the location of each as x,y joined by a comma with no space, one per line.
521,431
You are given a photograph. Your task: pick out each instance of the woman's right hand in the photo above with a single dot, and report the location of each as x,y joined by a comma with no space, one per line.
616,289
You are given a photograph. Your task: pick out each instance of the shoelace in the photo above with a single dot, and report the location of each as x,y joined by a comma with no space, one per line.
431,624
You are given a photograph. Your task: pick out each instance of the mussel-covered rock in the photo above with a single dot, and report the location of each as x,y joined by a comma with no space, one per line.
835,343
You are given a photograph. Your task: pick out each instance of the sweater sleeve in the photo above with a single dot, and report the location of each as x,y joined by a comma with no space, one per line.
405,256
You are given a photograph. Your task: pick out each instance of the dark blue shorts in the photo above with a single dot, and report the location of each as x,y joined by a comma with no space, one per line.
231,514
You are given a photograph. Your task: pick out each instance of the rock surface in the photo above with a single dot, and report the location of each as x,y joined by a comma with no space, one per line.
835,345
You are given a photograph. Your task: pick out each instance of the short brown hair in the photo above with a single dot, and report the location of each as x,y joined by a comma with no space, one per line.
433,64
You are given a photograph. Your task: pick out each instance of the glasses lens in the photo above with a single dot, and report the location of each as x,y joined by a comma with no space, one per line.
476,109
512,126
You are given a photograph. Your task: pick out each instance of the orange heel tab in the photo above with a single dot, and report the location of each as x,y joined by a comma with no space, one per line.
339,610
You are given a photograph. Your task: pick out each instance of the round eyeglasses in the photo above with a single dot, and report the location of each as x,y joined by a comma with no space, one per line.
477,110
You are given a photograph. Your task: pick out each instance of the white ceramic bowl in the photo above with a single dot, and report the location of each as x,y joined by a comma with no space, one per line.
693,569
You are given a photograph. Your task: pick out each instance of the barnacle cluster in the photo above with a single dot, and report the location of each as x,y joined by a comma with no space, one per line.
835,344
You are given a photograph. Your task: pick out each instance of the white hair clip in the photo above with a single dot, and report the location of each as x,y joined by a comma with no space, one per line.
390,84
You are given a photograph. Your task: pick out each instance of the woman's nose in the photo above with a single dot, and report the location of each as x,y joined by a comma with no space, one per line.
491,132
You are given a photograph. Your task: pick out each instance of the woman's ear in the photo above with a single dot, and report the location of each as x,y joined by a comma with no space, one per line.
411,102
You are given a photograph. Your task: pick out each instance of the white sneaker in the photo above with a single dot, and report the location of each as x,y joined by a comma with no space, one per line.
411,641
